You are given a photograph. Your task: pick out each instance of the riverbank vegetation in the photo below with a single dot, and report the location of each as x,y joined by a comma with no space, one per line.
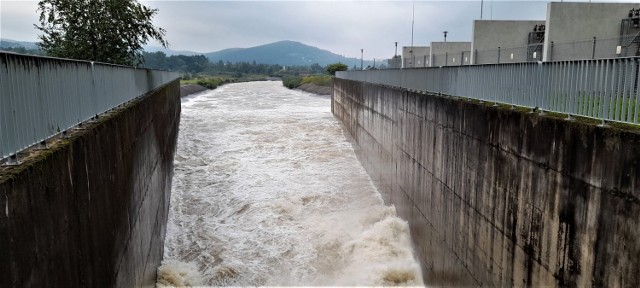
198,70
293,82
196,65
212,82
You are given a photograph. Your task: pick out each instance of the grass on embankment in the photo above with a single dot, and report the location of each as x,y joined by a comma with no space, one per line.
208,82
293,82
212,82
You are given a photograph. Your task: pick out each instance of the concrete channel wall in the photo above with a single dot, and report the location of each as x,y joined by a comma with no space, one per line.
91,210
500,197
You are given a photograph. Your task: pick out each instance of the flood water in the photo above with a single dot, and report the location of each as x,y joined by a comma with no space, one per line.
267,190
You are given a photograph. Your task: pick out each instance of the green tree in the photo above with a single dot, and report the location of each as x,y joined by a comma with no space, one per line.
111,31
333,68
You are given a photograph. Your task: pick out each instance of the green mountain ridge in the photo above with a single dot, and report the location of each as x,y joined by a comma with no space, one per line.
8,43
286,53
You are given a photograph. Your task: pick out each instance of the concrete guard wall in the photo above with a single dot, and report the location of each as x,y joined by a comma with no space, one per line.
499,197
92,209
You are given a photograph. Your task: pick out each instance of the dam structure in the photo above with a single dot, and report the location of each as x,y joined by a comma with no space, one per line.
87,159
521,174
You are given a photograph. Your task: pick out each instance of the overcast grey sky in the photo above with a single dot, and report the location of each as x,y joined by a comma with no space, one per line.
342,27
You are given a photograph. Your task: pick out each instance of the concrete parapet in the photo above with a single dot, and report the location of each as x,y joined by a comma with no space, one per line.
91,210
500,197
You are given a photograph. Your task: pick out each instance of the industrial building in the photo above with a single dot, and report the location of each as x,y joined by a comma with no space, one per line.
591,30
415,56
450,53
571,31
504,41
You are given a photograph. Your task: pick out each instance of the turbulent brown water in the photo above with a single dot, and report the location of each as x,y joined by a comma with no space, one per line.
268,191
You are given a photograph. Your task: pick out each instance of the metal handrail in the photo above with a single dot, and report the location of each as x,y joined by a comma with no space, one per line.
603,89
43,96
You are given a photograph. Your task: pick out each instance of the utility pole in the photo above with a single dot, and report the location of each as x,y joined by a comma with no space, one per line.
361,58
413,16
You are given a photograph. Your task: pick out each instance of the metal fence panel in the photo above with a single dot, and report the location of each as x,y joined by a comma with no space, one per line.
604,89
41,96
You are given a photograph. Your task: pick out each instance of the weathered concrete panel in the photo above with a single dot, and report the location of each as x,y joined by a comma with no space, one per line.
499,197
450,53
580,22
92,209
488,35
416,56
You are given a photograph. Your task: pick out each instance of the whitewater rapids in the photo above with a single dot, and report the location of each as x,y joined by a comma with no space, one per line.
267,190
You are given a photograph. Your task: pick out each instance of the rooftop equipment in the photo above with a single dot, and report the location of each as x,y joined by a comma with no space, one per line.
535,43
629,41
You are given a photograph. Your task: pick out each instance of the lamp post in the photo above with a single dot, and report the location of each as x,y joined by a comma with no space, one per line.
396,54
361,58
395,58
445,35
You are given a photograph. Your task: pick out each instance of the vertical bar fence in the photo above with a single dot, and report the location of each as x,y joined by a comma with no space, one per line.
41,96
603,89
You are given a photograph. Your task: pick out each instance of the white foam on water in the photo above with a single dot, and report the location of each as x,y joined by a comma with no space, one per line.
178,274
268,191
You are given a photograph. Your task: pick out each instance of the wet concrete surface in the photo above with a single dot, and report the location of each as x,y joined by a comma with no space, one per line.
499,197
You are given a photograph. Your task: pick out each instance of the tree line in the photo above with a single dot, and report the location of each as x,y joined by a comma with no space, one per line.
23,50
199,64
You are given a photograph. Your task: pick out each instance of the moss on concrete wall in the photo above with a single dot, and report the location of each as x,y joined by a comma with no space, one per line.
91,210
501,197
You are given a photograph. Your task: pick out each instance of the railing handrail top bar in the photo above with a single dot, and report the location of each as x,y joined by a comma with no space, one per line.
77,60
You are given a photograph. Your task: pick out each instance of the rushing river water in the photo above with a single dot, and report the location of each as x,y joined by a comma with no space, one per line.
268,191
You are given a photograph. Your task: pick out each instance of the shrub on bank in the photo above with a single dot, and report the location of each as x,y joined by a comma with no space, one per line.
208,82
320,80
291,82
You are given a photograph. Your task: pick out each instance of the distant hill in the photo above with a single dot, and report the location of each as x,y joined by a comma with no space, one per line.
169,52
286,53
8,43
